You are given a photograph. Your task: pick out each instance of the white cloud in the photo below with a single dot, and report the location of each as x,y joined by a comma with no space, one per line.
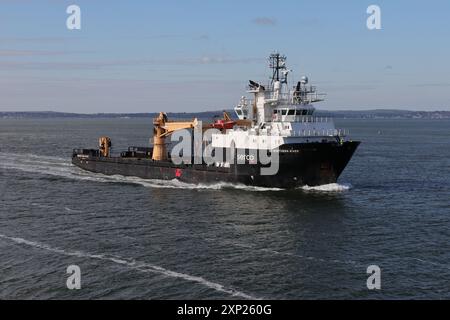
265,21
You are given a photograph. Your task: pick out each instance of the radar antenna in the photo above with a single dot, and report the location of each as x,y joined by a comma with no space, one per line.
277,63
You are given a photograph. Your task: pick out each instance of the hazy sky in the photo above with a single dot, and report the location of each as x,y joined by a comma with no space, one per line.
147,56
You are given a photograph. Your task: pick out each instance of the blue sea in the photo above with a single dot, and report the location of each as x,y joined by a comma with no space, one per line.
143,239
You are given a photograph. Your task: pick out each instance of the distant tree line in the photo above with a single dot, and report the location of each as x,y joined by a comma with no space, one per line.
350,114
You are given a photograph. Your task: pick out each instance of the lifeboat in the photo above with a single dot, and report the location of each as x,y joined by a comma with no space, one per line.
225,123
222,124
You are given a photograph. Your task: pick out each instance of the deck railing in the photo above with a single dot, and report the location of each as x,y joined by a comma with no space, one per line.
303,119
320,133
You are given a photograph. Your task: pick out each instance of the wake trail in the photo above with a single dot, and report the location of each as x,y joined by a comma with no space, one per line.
332,187
133,264
62,167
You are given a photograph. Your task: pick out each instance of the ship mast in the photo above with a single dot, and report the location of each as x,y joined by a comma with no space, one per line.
277,63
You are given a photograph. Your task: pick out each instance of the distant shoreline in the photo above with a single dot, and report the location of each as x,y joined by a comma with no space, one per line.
346,114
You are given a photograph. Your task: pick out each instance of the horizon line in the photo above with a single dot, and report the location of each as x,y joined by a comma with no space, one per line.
211,111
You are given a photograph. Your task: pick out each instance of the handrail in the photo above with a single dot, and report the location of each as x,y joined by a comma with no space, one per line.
320,133
303,119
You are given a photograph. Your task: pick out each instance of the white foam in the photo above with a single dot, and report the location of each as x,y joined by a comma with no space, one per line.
72,210
332,187
61,167
177,184
133,264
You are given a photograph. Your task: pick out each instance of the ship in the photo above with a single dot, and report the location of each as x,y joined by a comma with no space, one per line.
275,140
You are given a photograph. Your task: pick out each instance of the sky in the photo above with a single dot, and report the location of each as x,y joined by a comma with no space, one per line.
198,55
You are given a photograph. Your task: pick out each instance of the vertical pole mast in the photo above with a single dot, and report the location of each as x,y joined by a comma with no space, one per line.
275,60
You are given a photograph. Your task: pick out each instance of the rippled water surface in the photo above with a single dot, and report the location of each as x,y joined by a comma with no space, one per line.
141,239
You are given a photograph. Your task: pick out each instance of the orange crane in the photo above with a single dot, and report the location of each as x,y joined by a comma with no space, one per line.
163,128
104,146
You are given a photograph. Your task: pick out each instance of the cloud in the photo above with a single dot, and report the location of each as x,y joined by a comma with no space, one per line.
30,53
216,60
39,40
431,85
265,21
204,37
95,65
160,36
349,87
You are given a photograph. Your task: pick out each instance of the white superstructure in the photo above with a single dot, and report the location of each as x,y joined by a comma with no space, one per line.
278,115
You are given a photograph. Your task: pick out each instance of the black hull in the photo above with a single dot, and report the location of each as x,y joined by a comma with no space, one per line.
299,164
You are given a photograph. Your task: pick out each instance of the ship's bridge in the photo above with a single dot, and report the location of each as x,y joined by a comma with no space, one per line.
292,113
244,110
